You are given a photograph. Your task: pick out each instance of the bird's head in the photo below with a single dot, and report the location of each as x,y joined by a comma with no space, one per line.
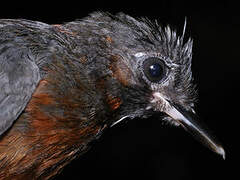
153,67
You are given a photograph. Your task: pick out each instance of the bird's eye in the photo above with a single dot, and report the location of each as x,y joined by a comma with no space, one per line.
154,69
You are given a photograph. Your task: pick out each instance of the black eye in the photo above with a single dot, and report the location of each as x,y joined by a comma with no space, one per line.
154,69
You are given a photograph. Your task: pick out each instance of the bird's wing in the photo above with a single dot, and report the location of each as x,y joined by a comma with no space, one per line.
19,76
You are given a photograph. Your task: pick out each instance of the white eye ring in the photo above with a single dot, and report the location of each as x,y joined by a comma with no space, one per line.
139,54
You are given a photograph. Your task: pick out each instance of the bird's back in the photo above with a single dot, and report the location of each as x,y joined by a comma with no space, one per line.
48,107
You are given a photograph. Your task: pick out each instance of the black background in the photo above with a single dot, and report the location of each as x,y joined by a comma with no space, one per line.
144,148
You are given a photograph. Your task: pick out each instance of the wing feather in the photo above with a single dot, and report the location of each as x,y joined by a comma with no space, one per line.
19,76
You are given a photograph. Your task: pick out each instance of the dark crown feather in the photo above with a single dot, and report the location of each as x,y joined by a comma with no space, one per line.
172,47
142,33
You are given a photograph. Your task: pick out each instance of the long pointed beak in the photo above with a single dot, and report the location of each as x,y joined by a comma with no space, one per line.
190,122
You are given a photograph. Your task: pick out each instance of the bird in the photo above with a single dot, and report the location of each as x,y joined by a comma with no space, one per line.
63,85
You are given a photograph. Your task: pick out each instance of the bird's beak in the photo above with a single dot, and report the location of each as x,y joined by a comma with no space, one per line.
190,122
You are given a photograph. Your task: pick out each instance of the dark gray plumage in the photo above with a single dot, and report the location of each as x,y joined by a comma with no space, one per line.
62,85
19,76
